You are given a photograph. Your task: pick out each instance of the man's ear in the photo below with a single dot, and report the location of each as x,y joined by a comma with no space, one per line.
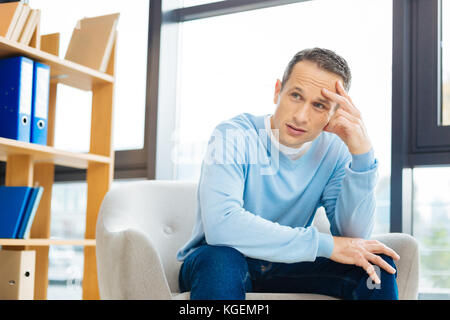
276,96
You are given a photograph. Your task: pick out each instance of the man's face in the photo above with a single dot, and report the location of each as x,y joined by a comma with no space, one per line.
302,111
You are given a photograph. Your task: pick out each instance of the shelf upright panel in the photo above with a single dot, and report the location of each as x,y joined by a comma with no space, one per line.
99,175
44,175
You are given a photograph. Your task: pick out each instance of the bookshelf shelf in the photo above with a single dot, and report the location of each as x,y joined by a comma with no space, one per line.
47,242
46,154
62,71
28,163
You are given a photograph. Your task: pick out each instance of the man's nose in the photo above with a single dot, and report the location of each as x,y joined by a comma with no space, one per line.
302,114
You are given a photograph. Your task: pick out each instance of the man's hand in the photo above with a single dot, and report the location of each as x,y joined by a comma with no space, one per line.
346,121
361,252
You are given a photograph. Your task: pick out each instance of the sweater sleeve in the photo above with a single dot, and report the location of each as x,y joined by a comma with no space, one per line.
227,223
349,196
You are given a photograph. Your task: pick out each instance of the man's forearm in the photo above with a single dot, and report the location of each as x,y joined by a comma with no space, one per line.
355,207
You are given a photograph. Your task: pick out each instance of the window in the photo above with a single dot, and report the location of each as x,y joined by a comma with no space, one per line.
229,65
431,228
445,13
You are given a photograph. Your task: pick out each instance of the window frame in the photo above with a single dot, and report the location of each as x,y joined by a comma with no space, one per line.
417,139
401,101
430,141
427,145
214,9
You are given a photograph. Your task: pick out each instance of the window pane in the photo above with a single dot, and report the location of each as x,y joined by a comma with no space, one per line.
445,14
431,227
65,273
68,221
72,130
229,65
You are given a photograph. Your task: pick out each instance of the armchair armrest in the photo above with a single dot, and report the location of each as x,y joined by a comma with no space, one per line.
408,265
132,268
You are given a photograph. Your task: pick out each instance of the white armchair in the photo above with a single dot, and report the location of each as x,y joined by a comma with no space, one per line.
141,225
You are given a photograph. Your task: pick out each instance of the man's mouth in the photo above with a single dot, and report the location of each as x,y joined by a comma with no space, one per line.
294,130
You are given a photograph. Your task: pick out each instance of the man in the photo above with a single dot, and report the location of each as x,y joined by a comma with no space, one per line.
253,229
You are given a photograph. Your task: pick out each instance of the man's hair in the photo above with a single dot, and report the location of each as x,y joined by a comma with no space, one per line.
326,60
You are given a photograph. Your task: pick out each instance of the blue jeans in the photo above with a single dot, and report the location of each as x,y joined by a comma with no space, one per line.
223,273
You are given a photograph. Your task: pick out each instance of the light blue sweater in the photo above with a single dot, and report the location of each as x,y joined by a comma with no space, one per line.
255,199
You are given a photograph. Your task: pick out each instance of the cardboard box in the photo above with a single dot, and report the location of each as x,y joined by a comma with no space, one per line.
17,271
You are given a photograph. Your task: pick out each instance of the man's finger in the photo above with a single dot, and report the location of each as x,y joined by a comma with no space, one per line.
379,261
379,248
341,90
337,119
342,112
371,272
342,101
338,124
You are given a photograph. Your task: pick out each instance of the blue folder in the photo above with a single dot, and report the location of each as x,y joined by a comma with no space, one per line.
16,85
30,212
39,110
13,201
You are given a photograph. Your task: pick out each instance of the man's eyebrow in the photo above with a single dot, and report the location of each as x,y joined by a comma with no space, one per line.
299,89
326,101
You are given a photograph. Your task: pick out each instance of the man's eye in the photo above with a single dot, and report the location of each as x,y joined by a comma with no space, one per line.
296,95
320,106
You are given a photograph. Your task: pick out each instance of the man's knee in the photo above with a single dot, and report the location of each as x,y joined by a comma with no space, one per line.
221,257
389,260
387,289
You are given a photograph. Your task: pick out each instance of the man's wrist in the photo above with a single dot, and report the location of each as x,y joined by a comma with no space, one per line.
360,148
326,245
362,162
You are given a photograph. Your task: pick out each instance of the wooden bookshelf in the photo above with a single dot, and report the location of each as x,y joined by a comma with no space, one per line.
47,242
46,154
28,163
62,71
